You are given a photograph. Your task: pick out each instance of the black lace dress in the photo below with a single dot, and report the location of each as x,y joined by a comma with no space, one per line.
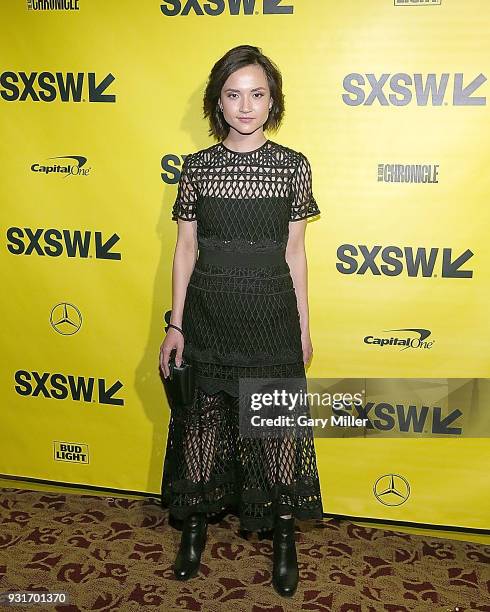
240,320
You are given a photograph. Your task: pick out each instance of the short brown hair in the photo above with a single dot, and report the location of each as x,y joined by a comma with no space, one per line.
236,58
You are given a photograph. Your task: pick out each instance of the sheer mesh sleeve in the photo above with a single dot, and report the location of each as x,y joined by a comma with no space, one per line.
304,204
185,203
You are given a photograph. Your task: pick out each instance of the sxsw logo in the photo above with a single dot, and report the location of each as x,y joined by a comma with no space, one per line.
415,262
171,165
48,86
59,386
54,242
411,418
417,2
401,89
171,8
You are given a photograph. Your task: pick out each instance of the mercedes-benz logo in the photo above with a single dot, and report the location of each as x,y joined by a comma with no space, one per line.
391,489
66,319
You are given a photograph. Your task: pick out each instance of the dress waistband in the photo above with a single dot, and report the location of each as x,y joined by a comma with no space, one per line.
243,259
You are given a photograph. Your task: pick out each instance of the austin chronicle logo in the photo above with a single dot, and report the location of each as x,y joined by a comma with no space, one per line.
391,490
53,5
66,319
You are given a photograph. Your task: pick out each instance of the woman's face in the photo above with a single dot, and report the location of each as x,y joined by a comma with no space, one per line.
245,99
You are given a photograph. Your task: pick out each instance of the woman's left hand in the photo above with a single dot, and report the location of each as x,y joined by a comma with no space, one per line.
307,346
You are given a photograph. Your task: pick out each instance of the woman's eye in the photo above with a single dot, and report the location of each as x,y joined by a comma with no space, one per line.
260,95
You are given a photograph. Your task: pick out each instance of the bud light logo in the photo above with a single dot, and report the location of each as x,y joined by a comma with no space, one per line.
73,453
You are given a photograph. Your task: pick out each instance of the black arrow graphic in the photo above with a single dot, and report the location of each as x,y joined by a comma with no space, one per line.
462,95
450,269
271,7
95,92
106,395
102,248
440,426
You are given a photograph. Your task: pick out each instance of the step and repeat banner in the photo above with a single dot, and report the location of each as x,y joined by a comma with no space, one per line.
100,102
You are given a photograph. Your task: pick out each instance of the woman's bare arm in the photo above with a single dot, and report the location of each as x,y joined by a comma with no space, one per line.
185,256
296,259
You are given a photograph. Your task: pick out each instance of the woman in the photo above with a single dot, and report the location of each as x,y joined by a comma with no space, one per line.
240,311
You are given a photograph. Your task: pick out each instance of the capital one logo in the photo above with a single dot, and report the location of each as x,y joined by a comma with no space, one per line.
408,342
49,86
401,89
69,168
213,8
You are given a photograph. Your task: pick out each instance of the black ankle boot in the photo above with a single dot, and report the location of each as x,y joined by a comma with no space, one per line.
193,539
285,568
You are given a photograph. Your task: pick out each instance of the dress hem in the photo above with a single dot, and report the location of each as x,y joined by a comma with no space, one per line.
229,504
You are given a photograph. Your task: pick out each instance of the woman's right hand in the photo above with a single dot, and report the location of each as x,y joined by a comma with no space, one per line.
173,340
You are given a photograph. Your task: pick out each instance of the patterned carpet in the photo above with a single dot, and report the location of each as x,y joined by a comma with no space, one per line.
117,554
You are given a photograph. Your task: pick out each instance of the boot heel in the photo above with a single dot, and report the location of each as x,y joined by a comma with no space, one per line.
192,543
285,573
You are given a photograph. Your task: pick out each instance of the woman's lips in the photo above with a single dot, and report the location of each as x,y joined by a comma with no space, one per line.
245,119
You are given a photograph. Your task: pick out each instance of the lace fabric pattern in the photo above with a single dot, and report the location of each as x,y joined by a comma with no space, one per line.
273,174
208,467
240,320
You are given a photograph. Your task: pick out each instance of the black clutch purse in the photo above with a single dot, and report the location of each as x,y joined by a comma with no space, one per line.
180,384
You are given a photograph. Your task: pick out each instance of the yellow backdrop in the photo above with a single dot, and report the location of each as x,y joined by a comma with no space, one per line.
100,102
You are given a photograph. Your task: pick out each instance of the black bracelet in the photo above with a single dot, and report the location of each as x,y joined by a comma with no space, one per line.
175,327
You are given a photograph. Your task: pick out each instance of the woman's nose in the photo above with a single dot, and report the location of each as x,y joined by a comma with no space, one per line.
245,105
